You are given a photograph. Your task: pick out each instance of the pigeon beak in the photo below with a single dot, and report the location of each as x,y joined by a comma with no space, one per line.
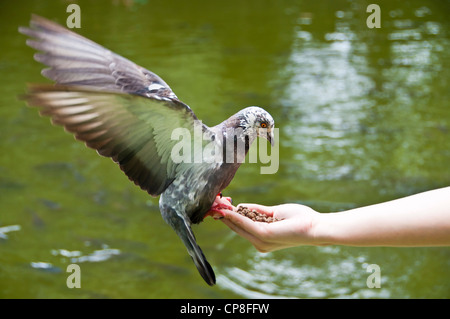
271,138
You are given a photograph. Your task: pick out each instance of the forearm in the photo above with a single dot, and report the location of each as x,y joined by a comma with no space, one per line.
417,220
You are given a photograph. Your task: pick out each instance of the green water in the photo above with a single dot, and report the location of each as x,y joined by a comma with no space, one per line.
364,117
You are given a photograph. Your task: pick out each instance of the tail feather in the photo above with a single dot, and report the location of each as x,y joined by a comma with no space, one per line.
196,253
184,231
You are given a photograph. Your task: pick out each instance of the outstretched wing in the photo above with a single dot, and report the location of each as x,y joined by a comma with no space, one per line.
75,60
115,106
134,131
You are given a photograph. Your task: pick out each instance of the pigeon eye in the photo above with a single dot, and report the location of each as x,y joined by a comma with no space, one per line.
263,125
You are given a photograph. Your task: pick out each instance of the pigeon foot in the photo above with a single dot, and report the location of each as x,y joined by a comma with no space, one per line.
219,203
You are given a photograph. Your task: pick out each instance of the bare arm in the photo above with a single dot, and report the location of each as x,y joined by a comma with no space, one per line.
418,220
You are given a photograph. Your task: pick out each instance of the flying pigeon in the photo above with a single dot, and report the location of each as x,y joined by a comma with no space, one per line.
130,114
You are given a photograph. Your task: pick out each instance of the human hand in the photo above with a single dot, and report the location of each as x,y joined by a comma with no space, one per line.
414,221
294,228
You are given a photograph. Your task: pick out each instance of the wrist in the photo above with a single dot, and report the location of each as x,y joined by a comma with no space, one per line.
324,229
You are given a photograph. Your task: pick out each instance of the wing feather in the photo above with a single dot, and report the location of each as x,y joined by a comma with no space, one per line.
132,130
120,109
75,60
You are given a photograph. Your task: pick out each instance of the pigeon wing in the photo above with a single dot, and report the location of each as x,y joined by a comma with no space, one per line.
75,60
136,132
90,100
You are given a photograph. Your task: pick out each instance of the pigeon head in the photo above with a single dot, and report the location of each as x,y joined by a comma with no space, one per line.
255,121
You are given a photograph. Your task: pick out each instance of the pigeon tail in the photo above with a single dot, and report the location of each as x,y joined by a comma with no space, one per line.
203,266
184,231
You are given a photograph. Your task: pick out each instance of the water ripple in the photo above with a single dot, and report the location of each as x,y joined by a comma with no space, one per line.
332,276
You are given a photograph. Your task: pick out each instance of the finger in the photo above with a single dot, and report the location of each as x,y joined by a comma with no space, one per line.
240,231
227,210
266,210
223,203
246,224
243,233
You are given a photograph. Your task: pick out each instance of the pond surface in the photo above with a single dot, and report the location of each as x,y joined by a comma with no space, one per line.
363,116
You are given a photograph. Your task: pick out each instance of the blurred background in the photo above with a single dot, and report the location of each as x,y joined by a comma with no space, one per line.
363,114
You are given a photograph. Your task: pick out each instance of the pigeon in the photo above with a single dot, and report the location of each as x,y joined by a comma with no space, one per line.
131,115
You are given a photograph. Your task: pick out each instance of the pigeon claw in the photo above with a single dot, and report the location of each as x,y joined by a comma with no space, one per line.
227,198
219,204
